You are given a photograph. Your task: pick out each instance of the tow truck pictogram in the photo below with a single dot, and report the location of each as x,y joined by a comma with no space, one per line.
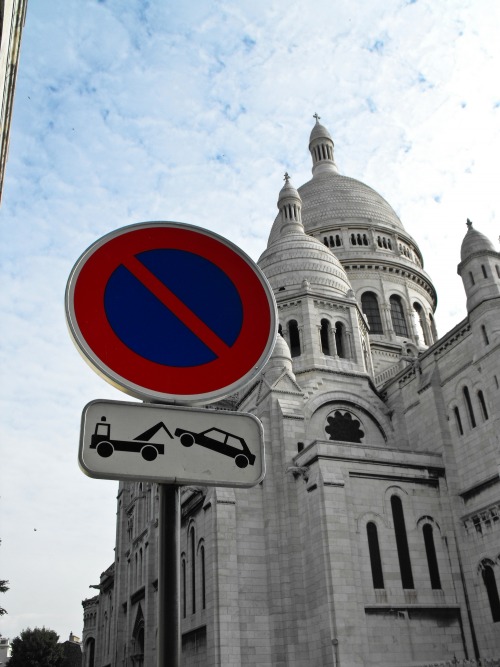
102,442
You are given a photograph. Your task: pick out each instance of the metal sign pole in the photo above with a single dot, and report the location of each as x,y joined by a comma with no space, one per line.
169,634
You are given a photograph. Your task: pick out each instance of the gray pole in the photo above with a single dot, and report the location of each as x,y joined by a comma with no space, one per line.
169,633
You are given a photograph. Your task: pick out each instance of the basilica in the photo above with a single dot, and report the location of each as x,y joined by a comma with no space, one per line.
374,539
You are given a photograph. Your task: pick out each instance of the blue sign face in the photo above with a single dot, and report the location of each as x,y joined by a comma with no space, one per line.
147,327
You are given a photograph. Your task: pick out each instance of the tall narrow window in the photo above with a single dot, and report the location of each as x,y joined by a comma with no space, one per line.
294,337
369,306
340,339
375,560
482,403
183,567
398,316
90,652
472,281
402,542
193,572
492,592
421,323
430,550
485,335
203,579
485,275
433,328
458,420
325,337
468,403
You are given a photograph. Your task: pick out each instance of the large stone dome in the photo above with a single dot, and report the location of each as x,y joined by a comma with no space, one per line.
330,198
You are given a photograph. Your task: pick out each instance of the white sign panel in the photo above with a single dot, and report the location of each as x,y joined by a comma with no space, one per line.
174,445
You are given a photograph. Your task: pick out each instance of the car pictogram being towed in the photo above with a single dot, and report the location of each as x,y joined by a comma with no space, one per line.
219,441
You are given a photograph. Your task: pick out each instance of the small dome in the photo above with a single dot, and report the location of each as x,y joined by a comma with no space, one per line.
474,242
281,352
319,132
288,190
280,360
296,259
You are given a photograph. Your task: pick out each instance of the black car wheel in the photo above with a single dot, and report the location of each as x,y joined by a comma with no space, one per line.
149,453
241,461
105,449
187,439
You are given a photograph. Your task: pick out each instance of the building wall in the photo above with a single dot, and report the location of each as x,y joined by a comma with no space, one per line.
368,541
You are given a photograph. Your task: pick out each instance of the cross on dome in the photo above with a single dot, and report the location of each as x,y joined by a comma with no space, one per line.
286,177
317,117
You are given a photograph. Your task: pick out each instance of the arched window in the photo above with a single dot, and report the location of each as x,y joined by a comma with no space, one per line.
90,651
421,323
193,570
369,306
325,337
203,578
492,591
398,316
402,542
470,410
294,338
375,559
458,420
340,339
482,403
430,550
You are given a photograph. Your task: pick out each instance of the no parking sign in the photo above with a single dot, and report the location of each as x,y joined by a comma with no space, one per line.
173,312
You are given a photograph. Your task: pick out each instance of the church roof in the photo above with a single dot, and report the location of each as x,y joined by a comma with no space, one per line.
474,242
294,259
329,196
319,132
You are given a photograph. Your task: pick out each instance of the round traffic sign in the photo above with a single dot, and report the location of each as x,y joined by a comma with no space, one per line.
169,311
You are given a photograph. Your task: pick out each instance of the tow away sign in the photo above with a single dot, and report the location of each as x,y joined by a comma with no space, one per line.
167,444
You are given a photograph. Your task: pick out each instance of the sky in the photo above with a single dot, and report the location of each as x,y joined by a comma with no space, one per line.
192,112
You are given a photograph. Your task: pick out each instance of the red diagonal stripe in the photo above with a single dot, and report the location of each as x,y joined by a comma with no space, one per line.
176,306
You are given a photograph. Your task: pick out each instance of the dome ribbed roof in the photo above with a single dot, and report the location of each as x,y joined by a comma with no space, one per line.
474,242
296,257
329,198
319,132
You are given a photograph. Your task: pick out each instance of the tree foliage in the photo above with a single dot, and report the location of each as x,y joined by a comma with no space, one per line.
37,648
3,589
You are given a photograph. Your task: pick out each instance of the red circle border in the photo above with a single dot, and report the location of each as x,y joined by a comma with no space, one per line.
139,376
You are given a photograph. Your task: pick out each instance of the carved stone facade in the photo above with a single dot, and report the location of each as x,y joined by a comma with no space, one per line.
375,537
